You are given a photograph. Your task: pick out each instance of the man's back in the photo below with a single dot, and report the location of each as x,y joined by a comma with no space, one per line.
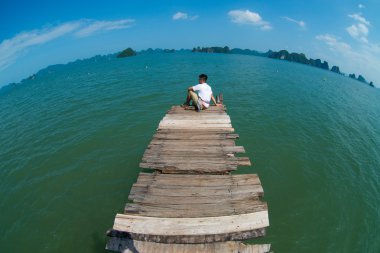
204,92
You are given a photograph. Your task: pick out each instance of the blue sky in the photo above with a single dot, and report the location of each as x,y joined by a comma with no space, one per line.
35,34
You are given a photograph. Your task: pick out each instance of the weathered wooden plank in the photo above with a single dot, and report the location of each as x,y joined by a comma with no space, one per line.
189,150
194,131
191,239
197,189
228,191
149,161
193,170
192,154
194,124
208,117
188,166
144,198
173,181
192,144
187,156
198,210
216,158
178,230
226,127
231,207
199,180
189,153
210,129
184,159
191,147
201,149
199,141
211,133
193,121
148,157
126,245
190,136
167,157
191,211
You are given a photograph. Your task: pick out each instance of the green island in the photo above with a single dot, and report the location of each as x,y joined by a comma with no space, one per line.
281,55
126,53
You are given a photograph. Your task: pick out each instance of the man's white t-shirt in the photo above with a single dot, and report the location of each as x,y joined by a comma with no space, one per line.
204,92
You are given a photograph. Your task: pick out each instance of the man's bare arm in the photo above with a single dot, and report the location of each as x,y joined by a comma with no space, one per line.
213,100
190,88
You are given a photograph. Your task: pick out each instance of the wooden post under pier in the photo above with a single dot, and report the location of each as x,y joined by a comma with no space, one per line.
191,202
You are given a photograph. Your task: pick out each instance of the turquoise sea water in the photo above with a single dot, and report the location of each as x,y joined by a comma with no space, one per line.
72,139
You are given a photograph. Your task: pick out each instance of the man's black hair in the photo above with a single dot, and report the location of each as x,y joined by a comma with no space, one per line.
203,76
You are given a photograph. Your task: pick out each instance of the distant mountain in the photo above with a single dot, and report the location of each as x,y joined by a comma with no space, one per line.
300,58
280,55
227,50
160,50
222,50
248,52
336,70
126,53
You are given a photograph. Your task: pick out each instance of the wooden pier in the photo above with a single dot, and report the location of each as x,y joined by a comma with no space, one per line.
191,202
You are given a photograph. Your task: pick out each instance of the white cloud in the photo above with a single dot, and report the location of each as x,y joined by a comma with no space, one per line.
184,16
266,27
359,30
301,23
358,17
363,59
96,26
333,43
180,15
13,48
361,6
248,17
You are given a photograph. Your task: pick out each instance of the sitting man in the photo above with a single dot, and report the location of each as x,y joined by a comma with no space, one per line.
202,100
